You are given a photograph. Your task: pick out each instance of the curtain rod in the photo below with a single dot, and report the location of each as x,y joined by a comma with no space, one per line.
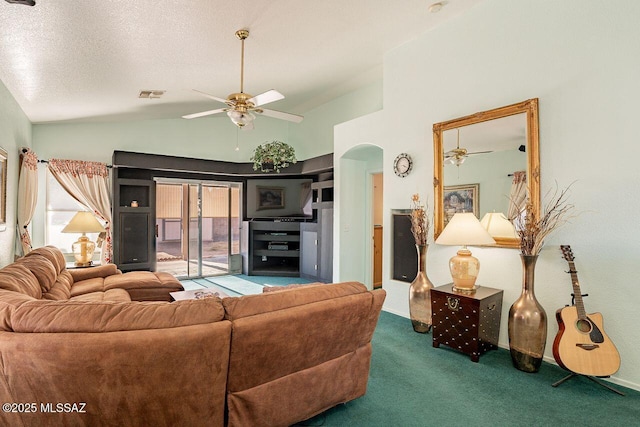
25,149
47,161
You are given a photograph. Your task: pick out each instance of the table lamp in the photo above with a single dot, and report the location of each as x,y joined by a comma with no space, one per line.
83,222
464,229
498,226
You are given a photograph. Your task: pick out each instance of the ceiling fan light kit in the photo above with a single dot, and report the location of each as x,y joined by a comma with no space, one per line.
241,106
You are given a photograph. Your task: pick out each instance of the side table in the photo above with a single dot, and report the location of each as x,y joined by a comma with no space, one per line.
72,265
468,322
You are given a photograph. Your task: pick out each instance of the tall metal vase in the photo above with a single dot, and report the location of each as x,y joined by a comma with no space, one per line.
527,323
420,295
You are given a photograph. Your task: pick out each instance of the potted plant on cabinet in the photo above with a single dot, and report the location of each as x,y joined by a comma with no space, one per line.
273,156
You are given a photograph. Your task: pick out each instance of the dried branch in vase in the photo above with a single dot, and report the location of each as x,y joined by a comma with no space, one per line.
419,220
533,231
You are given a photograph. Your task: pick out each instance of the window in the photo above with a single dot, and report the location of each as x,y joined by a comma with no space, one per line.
61,207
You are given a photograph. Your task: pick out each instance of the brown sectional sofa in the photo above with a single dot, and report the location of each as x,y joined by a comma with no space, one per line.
259,360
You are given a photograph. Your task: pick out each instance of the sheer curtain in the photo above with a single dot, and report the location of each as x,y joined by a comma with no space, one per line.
27,196
518,195
88,183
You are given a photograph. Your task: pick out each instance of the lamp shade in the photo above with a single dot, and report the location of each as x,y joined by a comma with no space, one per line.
83,222
497,225
464,229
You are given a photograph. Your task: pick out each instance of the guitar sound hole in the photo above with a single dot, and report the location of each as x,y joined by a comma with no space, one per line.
583,326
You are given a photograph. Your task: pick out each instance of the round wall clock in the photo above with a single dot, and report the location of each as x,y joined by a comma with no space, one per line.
402,165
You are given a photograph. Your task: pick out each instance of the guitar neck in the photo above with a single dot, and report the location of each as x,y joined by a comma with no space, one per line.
582,314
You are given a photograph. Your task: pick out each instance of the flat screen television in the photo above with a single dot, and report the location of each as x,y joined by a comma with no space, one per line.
279,198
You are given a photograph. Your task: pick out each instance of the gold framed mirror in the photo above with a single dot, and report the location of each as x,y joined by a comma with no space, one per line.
475,159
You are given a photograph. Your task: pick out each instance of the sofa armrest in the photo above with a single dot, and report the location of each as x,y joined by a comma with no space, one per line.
105,270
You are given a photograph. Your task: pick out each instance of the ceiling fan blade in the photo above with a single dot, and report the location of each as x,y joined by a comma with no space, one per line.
280,115
266,97
204,113
215,98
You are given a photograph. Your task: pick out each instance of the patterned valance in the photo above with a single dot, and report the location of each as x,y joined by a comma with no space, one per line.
76,167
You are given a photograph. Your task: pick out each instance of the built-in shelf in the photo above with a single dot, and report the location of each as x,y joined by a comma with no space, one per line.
274,248
317,242
133,244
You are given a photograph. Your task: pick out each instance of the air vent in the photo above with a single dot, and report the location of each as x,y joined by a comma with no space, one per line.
151,94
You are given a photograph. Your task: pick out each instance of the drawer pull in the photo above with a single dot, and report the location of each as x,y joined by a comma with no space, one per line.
492,306
453,303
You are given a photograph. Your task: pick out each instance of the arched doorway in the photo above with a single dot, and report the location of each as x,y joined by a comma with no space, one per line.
355,213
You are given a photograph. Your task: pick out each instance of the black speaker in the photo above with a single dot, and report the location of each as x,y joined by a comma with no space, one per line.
134,237
405,256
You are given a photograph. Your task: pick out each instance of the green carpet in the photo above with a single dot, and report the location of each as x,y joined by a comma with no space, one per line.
413,384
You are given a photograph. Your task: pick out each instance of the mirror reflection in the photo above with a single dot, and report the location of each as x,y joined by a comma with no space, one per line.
485,163
479,164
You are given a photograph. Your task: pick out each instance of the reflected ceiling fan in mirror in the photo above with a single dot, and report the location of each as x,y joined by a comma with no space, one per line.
241,106
458,155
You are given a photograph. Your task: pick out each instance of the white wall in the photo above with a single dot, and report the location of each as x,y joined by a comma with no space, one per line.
206,138
581,60
315,133
15,133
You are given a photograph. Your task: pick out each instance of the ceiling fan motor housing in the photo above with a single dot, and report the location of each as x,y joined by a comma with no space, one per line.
240,100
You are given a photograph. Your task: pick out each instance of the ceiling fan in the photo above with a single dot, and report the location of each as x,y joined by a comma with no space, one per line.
458,155
241,106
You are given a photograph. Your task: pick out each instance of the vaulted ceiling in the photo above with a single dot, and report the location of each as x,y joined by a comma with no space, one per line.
88,60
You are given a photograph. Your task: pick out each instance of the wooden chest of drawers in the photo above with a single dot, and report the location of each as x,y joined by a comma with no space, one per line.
466,322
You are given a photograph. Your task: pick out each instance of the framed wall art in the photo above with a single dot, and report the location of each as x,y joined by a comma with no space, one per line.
3,189
461,198
270,198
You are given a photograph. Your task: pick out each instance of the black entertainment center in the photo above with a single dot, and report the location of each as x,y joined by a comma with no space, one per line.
287,227
299,244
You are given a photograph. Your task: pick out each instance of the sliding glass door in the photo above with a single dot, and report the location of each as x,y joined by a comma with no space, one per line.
198,227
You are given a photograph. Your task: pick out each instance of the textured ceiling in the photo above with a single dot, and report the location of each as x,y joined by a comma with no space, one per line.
87,60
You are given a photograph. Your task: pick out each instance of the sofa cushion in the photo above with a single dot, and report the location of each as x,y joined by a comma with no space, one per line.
19,278
145,285
42,268
53,254
115,295
91,316
61,289
288,287
80,274
86,286
132,280
250,305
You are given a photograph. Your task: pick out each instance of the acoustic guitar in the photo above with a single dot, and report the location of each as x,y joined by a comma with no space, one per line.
581,346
